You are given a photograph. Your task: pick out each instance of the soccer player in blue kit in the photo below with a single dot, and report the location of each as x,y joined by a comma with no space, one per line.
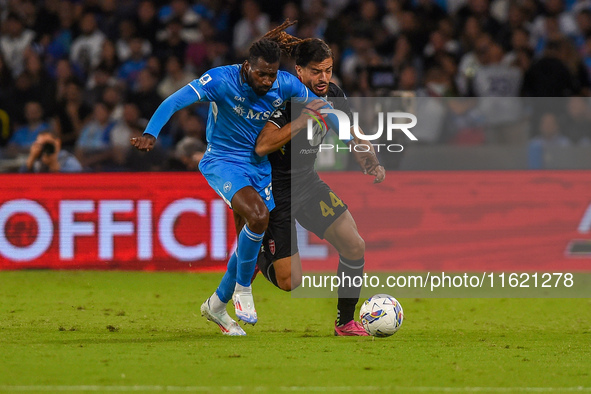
242,98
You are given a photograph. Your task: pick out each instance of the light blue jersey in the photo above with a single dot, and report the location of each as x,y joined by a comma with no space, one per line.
236,117
236,113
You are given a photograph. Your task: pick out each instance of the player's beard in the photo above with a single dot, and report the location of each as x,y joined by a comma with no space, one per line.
261,92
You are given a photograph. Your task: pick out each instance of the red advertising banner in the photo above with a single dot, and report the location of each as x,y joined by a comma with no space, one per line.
150,221
449,221
463,221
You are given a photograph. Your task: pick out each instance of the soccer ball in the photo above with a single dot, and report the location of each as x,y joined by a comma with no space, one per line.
381,315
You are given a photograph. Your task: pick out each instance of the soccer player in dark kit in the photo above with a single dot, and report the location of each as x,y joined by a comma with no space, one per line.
299,192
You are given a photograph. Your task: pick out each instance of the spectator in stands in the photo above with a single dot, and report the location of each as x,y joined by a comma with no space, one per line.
577,68
408,79
154,65
42,84
72,114
430,14
363,55
197,54
43,19
391,20
437,83
440,43
431,111
6,83
578,123
23,137
410,26
549,136
145,95
537,82
368,20
112,97
127,32
147,22
192,126
470,63
187,155
479,9
61,39
108,18
171,42
469,33
98,82
108,57
498,85
122,131
519,41
404,56
46,155
93,148
13,42
553,22
515,21
189,19
136,62
252,26
87,47
549,132
64,73
175,78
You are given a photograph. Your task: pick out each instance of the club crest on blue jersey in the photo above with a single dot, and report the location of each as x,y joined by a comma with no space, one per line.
227,187
239,109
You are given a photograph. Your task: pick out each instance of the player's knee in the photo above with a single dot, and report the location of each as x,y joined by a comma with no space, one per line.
288,282
258,220
355,249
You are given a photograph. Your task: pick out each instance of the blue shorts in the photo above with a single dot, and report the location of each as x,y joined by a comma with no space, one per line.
227,176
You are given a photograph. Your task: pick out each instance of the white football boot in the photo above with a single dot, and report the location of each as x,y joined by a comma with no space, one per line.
244,305
222,319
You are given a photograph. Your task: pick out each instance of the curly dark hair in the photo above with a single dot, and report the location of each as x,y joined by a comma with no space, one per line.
264,48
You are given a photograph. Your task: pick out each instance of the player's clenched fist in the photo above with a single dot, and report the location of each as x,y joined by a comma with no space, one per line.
145,143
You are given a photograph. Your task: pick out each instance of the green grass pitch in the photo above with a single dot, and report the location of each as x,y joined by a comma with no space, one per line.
142,332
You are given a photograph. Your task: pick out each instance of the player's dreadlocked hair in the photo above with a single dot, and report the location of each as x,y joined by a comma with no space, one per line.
304,51
269,50
286,42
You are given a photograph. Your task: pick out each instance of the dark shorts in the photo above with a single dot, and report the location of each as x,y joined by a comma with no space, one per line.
314,205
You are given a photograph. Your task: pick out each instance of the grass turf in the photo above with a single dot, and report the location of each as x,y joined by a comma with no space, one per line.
121,331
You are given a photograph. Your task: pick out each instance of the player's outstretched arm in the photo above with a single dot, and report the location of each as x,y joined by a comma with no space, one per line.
273,137
207,88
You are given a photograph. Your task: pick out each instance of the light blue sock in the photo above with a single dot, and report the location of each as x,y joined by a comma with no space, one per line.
226,287
249,245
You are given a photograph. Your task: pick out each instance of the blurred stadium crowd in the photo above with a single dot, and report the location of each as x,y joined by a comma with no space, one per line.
93,71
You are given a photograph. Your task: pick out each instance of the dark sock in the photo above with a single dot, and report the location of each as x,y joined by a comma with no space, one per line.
266,267
348,292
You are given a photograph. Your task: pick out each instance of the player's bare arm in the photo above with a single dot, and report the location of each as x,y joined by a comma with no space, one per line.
367,159
272,137
145,143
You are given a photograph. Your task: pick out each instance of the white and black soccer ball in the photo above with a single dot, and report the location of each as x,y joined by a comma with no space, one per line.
381,315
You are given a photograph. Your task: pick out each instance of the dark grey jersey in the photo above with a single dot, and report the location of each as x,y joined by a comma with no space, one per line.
296,158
